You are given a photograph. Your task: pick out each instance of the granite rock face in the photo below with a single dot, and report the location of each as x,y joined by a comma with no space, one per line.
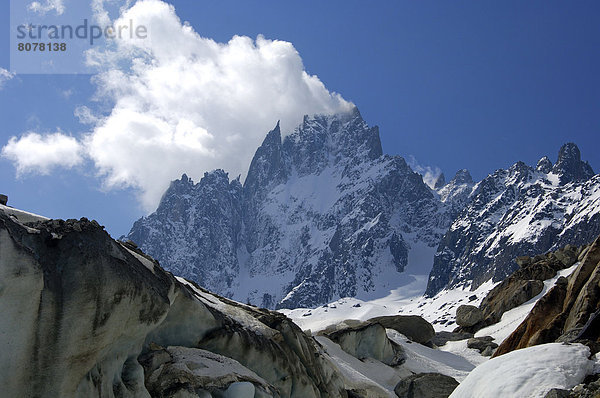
569,312
521,211
322,214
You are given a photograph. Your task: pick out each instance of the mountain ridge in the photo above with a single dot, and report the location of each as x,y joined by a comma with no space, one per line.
323,214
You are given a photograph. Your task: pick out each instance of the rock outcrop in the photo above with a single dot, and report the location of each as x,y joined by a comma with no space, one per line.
426,385
485,345
368,340
322,214
468,315
568,312
515,212
93,315
412,326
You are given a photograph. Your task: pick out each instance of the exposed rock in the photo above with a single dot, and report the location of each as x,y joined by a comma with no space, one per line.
569,311
509,294
526,282
441,338
177,370
426,385
88,306
412,326
557,393
569,166
481,344
590,388
544,165
439,182
468,315
489,350
515,212
369,340
3,200
312,245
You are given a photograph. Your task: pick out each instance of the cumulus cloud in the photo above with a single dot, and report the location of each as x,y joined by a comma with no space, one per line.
181,103
57,6
5,76
36,153
189,104
430,174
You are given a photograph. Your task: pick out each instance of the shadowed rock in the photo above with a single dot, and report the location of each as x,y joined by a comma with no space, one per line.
87,307
568,312
412,326
426,385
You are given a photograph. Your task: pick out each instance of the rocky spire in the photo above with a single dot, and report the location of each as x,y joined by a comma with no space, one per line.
267,165
544,165
569,166
440,182
463,177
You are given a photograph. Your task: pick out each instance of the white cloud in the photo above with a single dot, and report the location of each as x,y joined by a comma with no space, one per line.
430,174
85,115
36,153
66,94
5,76
189,104
181,103
48,5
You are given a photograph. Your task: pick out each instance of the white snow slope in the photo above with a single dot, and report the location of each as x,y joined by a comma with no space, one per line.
529,372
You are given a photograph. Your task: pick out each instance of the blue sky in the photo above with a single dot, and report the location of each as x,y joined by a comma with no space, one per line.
477,85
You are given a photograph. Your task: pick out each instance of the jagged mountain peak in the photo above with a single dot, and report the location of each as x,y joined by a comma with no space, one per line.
462,177
544,165
519,210
322,214
569,166
267,166
325,140
439,182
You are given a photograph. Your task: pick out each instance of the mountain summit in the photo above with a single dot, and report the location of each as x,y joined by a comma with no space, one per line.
515,212
322,214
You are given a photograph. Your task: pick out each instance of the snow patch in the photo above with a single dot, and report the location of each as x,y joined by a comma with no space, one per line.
529,372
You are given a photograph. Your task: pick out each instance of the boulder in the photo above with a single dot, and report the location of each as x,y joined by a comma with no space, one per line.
482,343
468,315
179,370
590,388
441,338
426,385
3,199
369,340
412,326
489,351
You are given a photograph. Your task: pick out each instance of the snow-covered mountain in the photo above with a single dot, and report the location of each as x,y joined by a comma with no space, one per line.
516,212
322,214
